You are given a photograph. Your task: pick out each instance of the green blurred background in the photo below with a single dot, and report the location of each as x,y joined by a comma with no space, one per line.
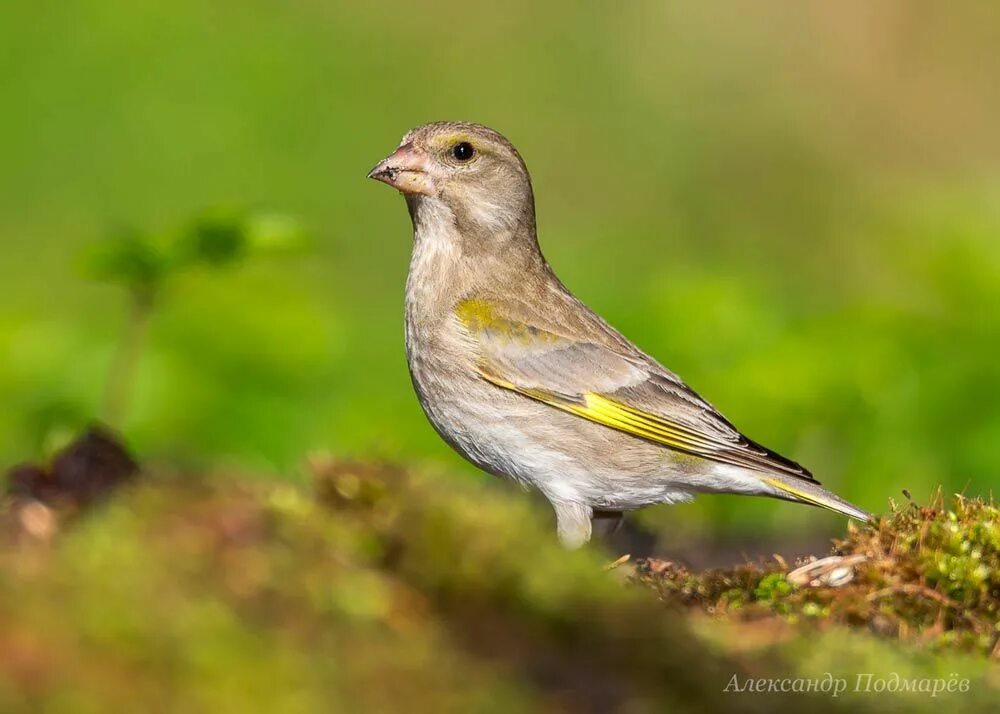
794,206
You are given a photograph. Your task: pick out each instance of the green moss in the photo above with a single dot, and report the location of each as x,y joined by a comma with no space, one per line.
931,577
383,590
772,587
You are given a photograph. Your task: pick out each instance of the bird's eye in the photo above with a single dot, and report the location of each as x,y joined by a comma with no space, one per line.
463,151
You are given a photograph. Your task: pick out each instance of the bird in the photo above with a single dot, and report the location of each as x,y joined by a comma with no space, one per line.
528,383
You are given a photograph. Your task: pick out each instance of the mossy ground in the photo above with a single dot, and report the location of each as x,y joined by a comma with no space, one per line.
381,590
925,575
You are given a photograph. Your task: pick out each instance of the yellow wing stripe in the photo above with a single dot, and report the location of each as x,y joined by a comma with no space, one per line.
641,420
612,419
607,412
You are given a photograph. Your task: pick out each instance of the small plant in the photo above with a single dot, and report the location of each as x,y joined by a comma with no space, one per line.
772,587
143,263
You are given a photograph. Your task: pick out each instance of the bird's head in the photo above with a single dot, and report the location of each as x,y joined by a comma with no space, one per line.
465,172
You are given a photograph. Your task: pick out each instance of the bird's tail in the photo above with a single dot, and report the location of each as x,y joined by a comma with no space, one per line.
797,489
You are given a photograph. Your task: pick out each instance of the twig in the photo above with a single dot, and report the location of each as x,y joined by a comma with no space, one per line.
914,589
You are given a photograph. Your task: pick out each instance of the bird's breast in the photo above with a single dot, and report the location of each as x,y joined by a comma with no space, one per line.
437,352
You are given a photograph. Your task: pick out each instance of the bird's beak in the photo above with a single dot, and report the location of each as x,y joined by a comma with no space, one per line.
406,169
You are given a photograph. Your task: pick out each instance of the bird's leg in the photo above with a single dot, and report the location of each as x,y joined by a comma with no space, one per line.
605,524
572,523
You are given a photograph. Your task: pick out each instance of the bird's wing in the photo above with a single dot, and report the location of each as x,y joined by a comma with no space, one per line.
623,391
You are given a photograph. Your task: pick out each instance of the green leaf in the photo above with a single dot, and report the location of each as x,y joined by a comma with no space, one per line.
129,258
217,238
222,237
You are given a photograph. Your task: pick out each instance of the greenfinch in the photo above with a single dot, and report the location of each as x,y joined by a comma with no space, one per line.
527,382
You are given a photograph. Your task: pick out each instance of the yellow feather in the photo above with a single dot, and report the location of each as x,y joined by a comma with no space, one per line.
479,315
607,412
805,496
